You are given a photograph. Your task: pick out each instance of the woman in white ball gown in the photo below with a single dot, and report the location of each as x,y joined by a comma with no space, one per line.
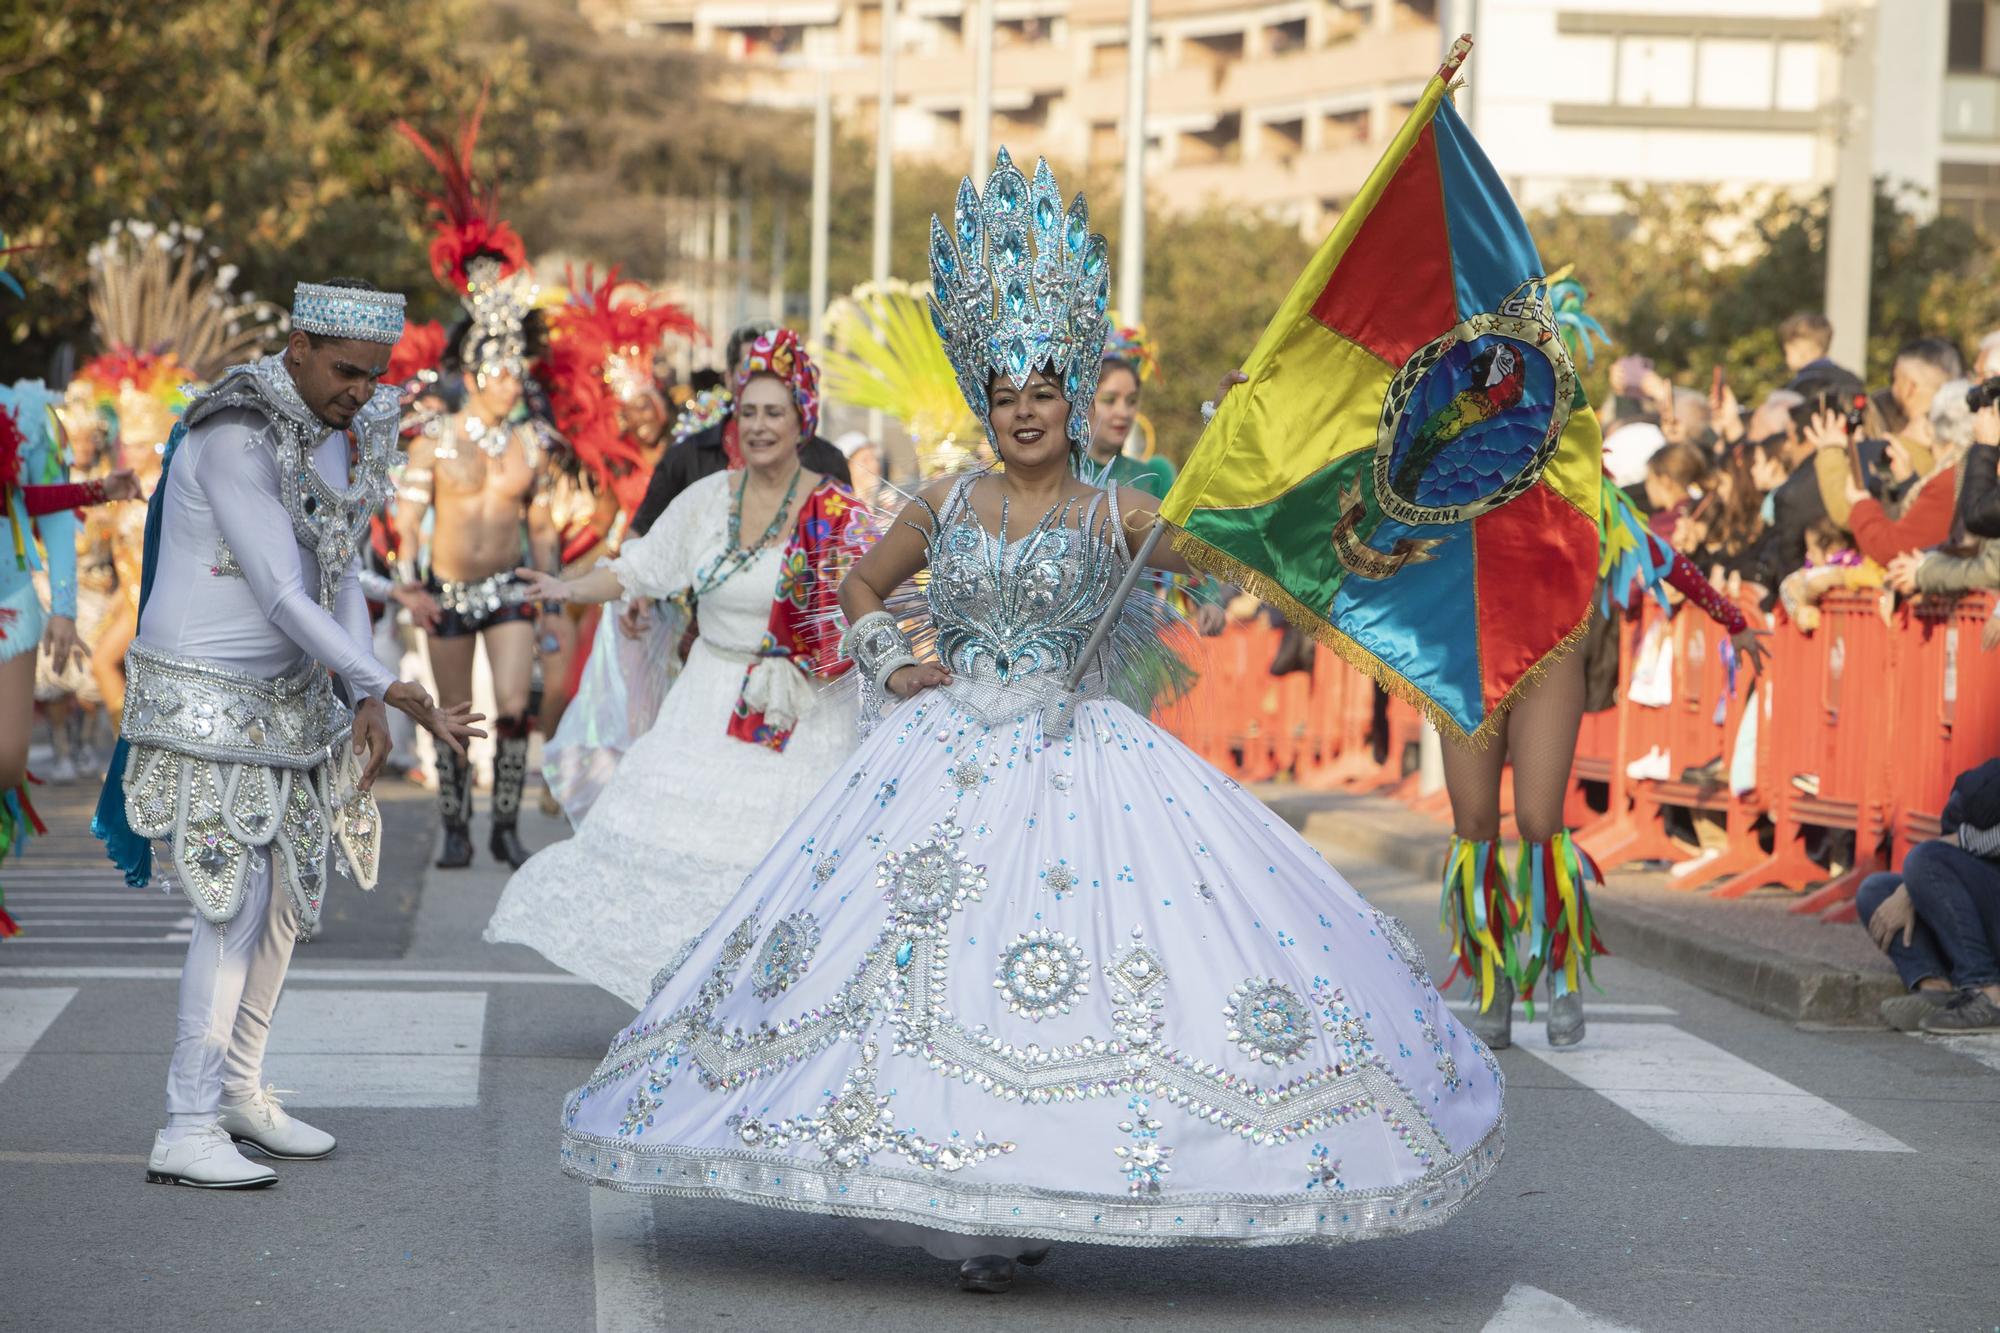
746,734
1027,970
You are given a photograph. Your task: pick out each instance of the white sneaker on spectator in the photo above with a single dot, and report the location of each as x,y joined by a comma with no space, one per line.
1695,863
1656,765
63,771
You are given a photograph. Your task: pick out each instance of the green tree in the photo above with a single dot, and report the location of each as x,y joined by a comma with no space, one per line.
1695,281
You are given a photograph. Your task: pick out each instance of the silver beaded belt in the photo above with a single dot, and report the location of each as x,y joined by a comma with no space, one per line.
212,712
481,597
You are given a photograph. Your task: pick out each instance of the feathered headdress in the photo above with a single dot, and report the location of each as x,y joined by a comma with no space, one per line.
880,352
466,214
1131,343
1566,298
414,360
601,345
158,292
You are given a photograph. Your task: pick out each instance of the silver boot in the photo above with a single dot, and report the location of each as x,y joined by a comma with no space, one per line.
1494,1024
1566,1019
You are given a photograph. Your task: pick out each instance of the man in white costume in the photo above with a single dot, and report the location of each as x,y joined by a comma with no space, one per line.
241,752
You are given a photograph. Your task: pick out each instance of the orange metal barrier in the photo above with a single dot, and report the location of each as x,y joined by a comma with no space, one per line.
1862,726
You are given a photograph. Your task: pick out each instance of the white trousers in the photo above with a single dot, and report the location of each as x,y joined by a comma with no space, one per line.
229,990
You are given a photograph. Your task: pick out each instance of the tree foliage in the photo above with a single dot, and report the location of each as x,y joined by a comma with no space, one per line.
1695,281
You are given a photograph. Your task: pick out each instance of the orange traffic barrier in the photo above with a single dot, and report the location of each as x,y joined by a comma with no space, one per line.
1861,726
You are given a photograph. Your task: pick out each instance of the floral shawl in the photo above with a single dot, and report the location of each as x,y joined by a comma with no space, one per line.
801,640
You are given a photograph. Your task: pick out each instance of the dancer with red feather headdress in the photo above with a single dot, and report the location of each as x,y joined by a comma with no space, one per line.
612,418
481,472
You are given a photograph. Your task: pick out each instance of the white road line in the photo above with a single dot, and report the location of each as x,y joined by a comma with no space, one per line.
1593,1010
1983,1047
298,975
624,1258
25,1014
49,923
28,941
72,1159
1529,1309
378,1047
1698,1094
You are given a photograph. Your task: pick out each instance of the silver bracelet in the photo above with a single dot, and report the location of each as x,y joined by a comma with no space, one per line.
877,644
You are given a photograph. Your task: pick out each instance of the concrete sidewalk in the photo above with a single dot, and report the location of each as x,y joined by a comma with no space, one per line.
1752,950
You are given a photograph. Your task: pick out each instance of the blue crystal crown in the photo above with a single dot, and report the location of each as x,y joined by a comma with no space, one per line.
1005,306
348,312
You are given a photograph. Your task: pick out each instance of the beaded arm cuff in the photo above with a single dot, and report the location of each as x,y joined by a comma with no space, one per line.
877,645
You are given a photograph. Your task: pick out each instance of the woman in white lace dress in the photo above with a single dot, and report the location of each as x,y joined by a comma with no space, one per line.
744,738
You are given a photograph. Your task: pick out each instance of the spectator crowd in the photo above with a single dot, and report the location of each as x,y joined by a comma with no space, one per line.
1823,485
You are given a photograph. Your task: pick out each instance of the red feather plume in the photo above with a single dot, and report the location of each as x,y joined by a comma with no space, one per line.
420,348
585,336
466,216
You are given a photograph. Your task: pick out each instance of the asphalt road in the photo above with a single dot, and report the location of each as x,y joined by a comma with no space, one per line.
1693,1166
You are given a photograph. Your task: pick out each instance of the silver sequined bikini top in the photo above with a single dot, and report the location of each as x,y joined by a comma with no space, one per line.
331,523
1012,614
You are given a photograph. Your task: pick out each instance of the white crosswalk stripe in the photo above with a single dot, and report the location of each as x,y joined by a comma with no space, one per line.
25,1014
1696,1093
332,1047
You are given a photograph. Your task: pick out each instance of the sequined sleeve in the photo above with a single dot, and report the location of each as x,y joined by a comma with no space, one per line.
1685,579
239,475
69,495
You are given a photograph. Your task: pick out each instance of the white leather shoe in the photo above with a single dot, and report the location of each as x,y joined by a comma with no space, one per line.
205,1159
262,1123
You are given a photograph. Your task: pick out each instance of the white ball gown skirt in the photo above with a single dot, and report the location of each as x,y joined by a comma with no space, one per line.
688,813
1093,991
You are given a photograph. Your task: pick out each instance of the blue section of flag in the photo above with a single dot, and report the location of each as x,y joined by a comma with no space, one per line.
1492,251
1402,619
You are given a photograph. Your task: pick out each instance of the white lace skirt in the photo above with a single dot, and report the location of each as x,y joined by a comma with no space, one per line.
689,813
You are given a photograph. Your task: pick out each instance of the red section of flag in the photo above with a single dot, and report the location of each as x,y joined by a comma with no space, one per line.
1392,290
1535,552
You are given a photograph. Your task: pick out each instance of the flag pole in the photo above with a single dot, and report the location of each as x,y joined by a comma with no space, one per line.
1110,616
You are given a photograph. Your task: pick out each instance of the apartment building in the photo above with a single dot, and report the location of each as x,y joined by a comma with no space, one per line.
1278,105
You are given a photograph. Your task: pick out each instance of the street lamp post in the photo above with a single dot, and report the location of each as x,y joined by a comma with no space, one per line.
1850,226
979,116
885,135
1132,218
822,195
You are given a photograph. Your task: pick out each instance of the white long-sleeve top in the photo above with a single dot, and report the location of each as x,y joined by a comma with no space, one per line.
223,486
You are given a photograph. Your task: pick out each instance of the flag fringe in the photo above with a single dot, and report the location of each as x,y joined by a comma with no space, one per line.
1224,566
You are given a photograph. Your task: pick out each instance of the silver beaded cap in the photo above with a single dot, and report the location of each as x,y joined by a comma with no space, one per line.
348,312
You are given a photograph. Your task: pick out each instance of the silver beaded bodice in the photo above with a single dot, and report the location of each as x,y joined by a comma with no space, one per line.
1013,613
331,523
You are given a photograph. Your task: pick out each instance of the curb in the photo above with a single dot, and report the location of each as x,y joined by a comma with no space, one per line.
1772,982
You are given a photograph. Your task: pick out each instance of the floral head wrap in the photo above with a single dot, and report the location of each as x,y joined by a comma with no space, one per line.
1131,344
780,353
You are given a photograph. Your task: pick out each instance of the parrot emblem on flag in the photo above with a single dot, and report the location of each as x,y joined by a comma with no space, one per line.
1499,382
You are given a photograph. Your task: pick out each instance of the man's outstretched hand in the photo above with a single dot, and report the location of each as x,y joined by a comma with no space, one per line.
452,726
371,739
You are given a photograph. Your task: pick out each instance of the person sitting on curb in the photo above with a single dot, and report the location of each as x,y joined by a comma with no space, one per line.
1939,920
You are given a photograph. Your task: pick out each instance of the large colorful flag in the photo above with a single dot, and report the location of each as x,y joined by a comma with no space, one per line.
1411,471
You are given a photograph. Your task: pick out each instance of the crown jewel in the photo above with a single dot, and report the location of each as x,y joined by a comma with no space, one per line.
1020,285
499,303
348,312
